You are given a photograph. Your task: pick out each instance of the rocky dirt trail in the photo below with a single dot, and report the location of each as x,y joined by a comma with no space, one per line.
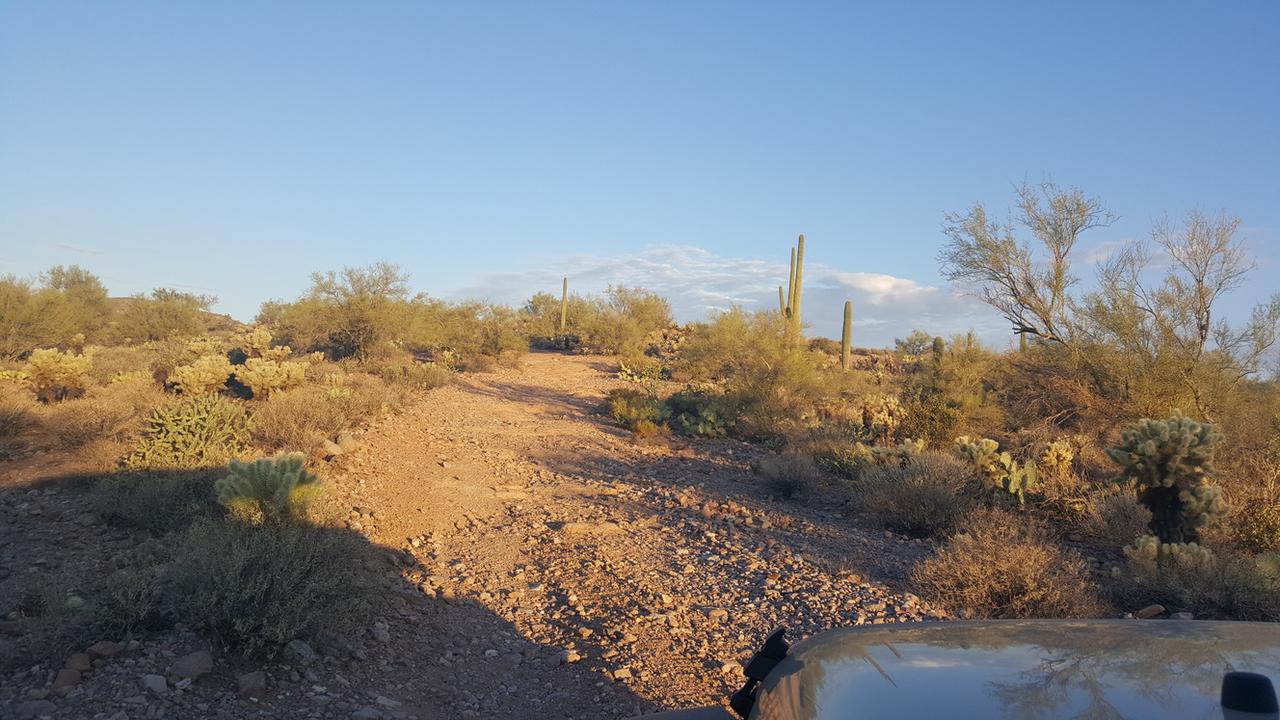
646,570
538,562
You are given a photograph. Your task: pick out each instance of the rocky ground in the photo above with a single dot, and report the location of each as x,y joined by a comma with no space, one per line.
539,563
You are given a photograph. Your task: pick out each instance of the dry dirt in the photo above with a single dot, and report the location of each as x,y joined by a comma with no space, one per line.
542,563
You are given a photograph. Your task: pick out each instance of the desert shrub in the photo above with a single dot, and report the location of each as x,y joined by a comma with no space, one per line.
999,567
18,415
263,376
1256,526
788,474
922,497
1187,576
199,431
156,501
848,459
1057,457
161,315
620,322
112,361
634,409
65,303
351,313
131,601
1007,479
253,588
115,412
55,375
881,415
302,418
699,413
930,418
1115,519
268,490
1169,462
405,372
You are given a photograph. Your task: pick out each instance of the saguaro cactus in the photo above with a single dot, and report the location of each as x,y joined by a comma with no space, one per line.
797,290
791,285
564,303
782,303
846,336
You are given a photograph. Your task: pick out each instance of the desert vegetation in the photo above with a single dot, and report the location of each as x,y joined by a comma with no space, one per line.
1123,455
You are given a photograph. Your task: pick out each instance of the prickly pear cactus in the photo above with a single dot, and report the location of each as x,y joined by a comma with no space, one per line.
1170,461
268,490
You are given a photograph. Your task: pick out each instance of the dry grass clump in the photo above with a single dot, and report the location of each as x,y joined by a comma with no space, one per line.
1186,576
788,474
301,419
923,497
18,417
1001,567
116,412
1116,518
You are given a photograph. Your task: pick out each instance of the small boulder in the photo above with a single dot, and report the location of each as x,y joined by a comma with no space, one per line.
192,665
301,650
330,449
347,441
1150,611
104,649
253,684
156,684
79,662
65,682
366,713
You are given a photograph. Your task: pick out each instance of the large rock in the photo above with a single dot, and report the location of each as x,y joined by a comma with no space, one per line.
66,681
253,685
192,665
156,684
1150,611
79,662
347,441
301,650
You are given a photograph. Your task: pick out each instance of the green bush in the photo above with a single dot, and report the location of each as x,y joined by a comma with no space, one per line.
159,502
55,375
66,303
253,588
162,315
1256,526
634,409
268,490
922,497
193,432
1006,478
999,567
698,413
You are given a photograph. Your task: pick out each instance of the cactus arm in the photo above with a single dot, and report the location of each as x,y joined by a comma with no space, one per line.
846,335
564,303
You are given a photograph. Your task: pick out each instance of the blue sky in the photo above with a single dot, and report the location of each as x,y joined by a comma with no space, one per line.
233,148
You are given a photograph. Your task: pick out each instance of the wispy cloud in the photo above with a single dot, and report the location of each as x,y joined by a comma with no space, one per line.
699,283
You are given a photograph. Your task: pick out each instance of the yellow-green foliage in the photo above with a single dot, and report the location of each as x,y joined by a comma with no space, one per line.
253,342
1170,461
263,376
55,375
1187,576
635,409
198,431
13,376
269,490
132,376
1006,476
881,415
335,386
209,373
1057,457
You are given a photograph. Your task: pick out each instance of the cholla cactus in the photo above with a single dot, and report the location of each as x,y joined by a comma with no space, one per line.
1057,457
209,373
1147,555
55,375
1169,461
881,415
253,342
263,376
314,358
268,490
335,386
204,345
279,353
1007,477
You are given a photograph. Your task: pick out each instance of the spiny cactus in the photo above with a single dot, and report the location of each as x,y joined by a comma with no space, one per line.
564,304
209,373
782,303
846,336
881,416
1006,476
335,386
1058,456
797,290
1170,461
54,375
199,431
132,376
254,341
269,489
263,376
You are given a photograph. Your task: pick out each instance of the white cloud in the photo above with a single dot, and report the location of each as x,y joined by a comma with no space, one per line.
699,283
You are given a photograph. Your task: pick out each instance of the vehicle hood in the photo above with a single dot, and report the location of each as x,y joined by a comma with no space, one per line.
1017,669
